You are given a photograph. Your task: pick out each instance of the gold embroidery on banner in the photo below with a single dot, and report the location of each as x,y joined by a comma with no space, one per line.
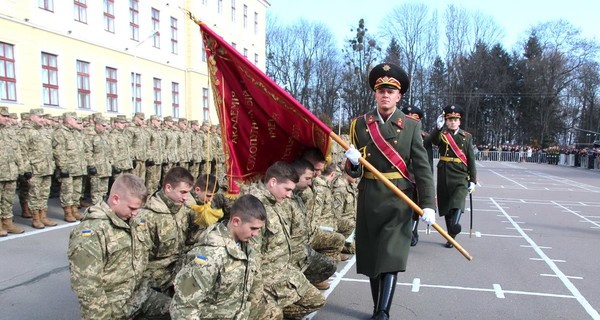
233,115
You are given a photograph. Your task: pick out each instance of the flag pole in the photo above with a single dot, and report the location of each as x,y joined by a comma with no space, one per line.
401,194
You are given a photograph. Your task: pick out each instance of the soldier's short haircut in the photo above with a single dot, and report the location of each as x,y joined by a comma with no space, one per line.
301,165
313,155
207,182
178,175
328,169
282,172
127,183
248,207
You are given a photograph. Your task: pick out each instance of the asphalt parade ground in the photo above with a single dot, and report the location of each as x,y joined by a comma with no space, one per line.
534,245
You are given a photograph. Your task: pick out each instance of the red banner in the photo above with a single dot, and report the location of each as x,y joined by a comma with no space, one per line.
260,122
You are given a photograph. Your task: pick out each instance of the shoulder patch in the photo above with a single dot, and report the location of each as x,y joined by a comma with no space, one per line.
201,260
86,232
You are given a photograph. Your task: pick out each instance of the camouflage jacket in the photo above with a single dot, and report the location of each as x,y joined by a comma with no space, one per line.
107,258
156,145
139,138
69,152
344,199
283,282
11,164
121,152
100,154
184,145
218,279
171,146
37,150
197,146
323,215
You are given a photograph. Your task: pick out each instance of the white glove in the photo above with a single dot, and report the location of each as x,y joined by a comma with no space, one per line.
439,123
471,187
352,154
428,216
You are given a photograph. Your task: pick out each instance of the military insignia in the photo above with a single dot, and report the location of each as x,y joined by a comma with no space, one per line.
201,260
142,222
386,67
370,118
86,233
400,123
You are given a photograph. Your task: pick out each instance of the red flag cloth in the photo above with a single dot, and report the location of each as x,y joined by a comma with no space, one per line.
260,122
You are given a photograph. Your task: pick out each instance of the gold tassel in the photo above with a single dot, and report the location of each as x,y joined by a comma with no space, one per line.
206,215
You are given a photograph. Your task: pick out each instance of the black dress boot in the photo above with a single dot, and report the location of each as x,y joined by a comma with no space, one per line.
415,232
387,287
374,293
449,222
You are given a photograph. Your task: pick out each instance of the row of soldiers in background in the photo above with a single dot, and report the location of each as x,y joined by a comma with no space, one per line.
78,154
311,216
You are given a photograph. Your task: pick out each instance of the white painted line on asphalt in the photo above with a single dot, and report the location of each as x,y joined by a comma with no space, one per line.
511,180
498,290
568,182
416,285
38,231
539,259
561,276
526,246
556,276
576,213
519,228
499,235
516,292
477,234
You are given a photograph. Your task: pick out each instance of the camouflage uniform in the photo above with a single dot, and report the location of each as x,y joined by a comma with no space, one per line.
38,159
139,137
155,157
184,144
283,283
100,155
23,185
171,149
220,280
344,206
168,224
326,239
207,148
107,258
196,149
121,152
11,166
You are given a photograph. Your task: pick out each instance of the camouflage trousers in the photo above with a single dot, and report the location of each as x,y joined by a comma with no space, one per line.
150,304
345,227
7,198
70,190
265,311
152,178
311,301
23,185
139,169
165,168
320,267
208,167
98,188
195,169
39,191
328,243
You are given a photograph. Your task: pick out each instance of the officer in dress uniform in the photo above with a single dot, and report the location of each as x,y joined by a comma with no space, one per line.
384,220
456,175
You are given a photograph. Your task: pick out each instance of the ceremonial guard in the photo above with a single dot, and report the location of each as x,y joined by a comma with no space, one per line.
389,141
456,174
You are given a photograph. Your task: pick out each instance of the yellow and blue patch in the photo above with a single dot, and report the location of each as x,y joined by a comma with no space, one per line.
201,260
86,232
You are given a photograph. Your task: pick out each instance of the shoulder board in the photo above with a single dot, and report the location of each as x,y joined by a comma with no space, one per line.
411,119
464,133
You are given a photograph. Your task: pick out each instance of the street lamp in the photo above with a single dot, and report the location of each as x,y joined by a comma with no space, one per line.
136,77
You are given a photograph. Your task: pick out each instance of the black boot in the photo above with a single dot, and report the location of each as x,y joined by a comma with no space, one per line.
452,225
387,287
374,293
415,233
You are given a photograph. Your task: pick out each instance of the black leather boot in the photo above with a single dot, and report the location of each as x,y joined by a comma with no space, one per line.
374,293
387,286
415,232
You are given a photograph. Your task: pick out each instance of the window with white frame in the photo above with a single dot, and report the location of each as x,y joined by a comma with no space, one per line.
80,10
157,96
232,10
109,15
50,79
156,27
83,85
136,91
174,41
205,110
112,98
46,5
175,98
134,20
8,79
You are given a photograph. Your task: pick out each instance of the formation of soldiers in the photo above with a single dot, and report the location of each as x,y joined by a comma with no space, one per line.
83,155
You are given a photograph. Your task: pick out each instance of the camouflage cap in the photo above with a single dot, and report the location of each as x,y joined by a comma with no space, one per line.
4,111
67,115
140,115
121,118
154,117
13,115
168,118
96,115
194,122
102,121
48,116
206,123
37,112
183,120
25,115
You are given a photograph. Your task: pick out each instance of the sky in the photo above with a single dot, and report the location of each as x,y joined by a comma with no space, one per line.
515,17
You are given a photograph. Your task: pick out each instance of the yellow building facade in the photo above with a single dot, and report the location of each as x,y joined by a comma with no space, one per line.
119,56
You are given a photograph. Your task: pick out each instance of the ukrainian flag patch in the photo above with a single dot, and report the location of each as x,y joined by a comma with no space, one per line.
201,260
86,232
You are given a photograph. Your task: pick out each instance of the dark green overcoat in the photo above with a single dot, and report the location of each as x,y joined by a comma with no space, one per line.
383,220
453,177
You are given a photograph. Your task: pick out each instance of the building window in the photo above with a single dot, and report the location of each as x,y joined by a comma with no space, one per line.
134,20
83,85
232,10
109,15
46,5
136,91
245,17
155,27
111,90
205,110
205,2
256,59
80,9
157,97
219,6
245,52
173,35
8,81
256,23
175,97
50,79
233,44
203,55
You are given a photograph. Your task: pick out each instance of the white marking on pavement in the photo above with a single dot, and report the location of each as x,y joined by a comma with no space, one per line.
555,276
576,213
518,228
564,279
498,290
526,246
38,231
477,234
416,285
539,259
513,181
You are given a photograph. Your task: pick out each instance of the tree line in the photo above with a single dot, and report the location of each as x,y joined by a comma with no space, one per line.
538,94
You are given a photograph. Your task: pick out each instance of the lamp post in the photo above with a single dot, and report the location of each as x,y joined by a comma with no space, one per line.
134,75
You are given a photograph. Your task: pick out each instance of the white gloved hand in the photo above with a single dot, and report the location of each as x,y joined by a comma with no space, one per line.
471,187
428,216
439,123
352,154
